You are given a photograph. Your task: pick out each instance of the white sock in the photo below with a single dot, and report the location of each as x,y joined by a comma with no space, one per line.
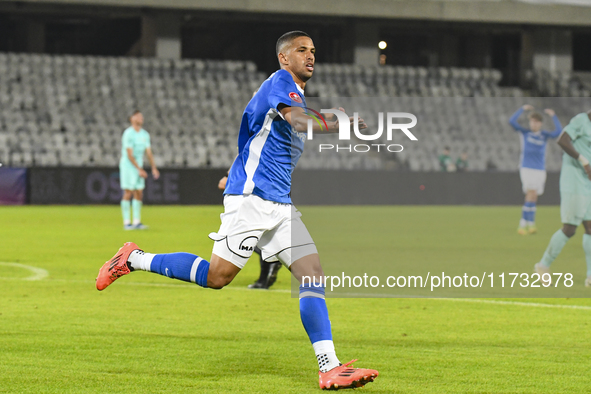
531,223
136,222
522,223
140,260
126,222
326,356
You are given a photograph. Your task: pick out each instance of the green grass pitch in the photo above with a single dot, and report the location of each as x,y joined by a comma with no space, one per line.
149,334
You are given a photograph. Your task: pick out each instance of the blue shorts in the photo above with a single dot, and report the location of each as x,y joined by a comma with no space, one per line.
130,179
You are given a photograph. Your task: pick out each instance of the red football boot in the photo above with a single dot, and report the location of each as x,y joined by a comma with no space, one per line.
116,267
345,377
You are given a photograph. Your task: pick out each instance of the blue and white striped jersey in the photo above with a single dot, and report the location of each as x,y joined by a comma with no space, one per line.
268,149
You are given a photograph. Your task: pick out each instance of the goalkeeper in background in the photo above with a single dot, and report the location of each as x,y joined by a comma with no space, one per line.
134,144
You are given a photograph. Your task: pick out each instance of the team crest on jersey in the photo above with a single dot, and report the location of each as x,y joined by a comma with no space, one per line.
295,97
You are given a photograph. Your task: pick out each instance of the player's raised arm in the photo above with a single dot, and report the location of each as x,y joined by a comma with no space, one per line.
516,115
298,119
557,124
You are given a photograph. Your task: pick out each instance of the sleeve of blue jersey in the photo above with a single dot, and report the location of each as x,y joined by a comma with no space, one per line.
513,121
282,86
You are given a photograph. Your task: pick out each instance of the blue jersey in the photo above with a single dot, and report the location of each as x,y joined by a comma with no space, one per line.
268,148
533,145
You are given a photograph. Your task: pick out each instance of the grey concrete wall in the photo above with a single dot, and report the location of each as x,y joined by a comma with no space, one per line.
502,11
552,50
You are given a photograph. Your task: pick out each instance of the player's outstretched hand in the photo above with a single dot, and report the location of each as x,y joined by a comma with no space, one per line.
588,171
143,173
528,107
360,122
550,111
155,173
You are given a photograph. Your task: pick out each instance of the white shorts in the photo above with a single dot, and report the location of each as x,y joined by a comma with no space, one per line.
532,179
249,221
575,208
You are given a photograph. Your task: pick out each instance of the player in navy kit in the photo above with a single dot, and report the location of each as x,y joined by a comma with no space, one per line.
532,163
258,210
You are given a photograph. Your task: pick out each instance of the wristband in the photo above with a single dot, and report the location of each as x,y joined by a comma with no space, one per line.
583,160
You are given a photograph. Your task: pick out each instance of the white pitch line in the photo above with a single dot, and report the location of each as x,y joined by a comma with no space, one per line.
475,300
38,273
520,303
181,285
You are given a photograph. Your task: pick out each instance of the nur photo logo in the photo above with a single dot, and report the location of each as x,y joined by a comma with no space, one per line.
388,122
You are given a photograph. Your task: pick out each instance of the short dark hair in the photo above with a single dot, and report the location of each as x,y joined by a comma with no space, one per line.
446,148
536,116
135,112
288,37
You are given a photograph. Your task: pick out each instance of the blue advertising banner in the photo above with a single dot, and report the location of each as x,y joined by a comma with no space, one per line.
13,186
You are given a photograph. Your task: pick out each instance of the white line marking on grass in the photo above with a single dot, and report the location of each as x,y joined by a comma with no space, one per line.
520,303
474,300
37,273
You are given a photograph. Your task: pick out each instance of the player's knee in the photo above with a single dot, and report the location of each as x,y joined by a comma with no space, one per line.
569,230
307,268
217,281
531,195
218,278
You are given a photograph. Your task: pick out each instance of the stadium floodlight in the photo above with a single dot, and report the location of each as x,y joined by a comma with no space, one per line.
382,45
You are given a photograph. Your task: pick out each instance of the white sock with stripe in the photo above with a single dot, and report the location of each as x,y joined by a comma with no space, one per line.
140,260
183,266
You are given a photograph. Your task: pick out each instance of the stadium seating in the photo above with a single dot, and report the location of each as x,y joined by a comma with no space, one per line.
557,84
71,111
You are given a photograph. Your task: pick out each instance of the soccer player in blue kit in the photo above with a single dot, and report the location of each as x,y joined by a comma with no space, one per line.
258,210
532,163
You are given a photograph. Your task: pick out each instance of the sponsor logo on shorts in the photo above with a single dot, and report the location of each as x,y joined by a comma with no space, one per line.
248,244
